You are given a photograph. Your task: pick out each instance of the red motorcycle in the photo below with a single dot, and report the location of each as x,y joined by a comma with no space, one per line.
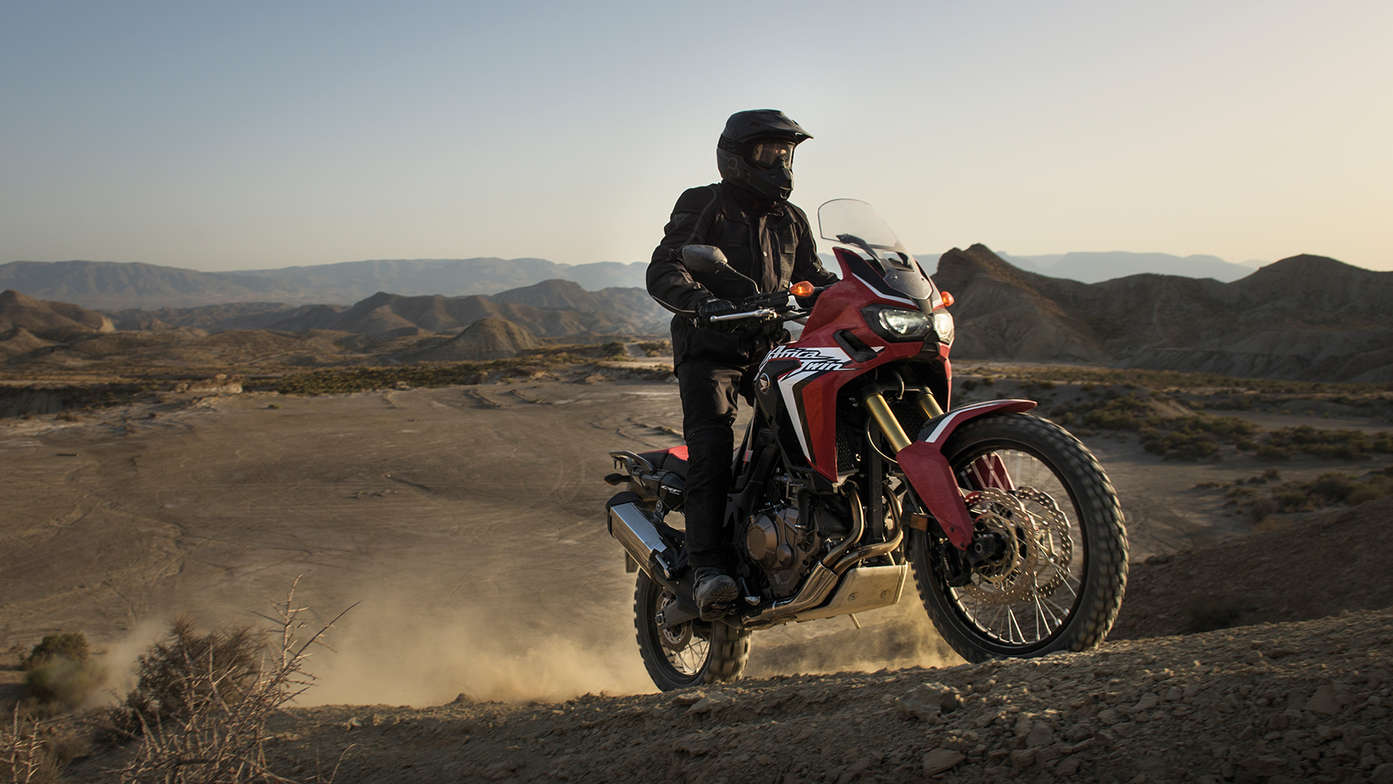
1013,530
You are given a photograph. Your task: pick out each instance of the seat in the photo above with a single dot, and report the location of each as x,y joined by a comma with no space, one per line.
673,459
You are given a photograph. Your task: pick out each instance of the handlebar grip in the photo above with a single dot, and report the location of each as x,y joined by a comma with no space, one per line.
759,313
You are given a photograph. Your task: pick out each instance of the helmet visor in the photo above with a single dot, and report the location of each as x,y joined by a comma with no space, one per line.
772,153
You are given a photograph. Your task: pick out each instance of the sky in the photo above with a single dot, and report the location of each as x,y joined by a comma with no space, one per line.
255,134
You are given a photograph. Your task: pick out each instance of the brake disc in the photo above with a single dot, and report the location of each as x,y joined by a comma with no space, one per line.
1036,537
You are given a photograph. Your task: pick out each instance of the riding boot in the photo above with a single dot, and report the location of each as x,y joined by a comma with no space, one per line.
714,592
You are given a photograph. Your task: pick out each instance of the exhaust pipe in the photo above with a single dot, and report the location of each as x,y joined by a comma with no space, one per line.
629,524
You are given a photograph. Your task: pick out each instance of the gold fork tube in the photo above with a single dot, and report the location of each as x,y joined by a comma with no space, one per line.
885,418
929,403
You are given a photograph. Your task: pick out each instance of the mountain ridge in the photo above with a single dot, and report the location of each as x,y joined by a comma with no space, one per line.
1305,316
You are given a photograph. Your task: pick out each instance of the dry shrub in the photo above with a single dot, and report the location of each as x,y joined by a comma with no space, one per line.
34,751
203,701
59,672
218,666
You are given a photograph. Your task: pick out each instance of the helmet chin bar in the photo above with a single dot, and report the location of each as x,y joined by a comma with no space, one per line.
774,182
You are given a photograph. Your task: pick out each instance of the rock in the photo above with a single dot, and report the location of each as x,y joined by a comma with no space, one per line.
928,701
941,759
1263,767
1147,702
1383,774
854,770
1024,723
1325,700
1109,716
705,705
1040,735
1077,732
1068,766
1022,758
685,698
500,770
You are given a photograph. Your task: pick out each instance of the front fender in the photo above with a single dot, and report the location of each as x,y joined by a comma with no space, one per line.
928,472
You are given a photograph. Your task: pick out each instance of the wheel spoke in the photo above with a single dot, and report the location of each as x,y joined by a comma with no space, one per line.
1015,599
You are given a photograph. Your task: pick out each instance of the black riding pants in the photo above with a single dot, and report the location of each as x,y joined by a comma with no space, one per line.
709,392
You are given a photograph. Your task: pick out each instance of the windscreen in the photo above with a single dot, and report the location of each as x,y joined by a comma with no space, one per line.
854,222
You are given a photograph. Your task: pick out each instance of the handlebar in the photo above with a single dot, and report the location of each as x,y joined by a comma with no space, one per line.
760,313
774,305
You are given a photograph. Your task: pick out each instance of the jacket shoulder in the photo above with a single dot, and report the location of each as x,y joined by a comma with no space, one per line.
797,213
696,199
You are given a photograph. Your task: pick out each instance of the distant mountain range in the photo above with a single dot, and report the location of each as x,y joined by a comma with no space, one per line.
113,285
1302,317
109,285
552,308
1091,267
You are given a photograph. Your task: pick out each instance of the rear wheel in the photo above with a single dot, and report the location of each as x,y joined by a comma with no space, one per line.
1052,566
690,654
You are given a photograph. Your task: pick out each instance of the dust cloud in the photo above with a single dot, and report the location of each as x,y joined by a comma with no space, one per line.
392,652
412,647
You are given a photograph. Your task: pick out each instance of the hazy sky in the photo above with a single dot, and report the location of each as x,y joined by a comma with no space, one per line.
264,134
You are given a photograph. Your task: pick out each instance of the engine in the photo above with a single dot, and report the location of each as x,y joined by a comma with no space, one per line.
783,546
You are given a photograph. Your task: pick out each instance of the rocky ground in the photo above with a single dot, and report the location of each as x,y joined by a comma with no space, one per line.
1296,702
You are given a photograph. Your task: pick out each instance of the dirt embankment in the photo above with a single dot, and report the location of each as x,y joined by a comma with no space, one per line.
1306,701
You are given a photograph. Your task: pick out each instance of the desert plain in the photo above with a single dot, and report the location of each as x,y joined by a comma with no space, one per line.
490,634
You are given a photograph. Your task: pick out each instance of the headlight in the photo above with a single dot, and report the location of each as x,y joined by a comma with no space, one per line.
902,324
943,326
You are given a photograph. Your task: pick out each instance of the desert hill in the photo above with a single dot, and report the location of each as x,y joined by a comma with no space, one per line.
48,319
127,285
1303,317
488,338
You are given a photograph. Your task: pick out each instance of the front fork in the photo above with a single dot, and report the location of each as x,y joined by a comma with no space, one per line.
887,421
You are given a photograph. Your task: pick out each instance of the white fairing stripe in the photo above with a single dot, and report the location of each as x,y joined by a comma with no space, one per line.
882,294
826,359
948,419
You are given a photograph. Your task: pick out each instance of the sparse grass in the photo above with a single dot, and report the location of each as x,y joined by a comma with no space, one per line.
532,364
59,672
1194,437
1327,490
1340,444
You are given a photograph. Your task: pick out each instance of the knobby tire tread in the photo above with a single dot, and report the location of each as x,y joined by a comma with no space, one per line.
727,654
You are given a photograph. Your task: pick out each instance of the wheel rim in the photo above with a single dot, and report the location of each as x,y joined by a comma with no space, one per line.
1030,589
685,647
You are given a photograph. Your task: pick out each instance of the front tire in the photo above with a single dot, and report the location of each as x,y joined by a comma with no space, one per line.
694,653
1059,566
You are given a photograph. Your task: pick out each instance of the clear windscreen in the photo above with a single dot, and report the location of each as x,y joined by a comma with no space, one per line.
856,223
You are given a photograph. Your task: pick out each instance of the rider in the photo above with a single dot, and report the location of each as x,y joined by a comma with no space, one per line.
769,241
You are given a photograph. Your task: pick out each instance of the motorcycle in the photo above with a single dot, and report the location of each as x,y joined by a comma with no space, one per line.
1012,530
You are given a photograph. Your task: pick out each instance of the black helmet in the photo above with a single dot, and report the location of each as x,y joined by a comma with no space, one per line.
756,151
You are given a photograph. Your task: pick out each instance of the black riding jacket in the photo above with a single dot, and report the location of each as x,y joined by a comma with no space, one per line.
769,242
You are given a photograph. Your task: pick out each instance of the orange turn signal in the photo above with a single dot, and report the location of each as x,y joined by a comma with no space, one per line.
947,299
801,289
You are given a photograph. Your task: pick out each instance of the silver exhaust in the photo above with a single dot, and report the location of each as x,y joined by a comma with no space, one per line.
629,524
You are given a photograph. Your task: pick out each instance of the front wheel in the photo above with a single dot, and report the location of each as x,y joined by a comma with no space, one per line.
1051,561
690,654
